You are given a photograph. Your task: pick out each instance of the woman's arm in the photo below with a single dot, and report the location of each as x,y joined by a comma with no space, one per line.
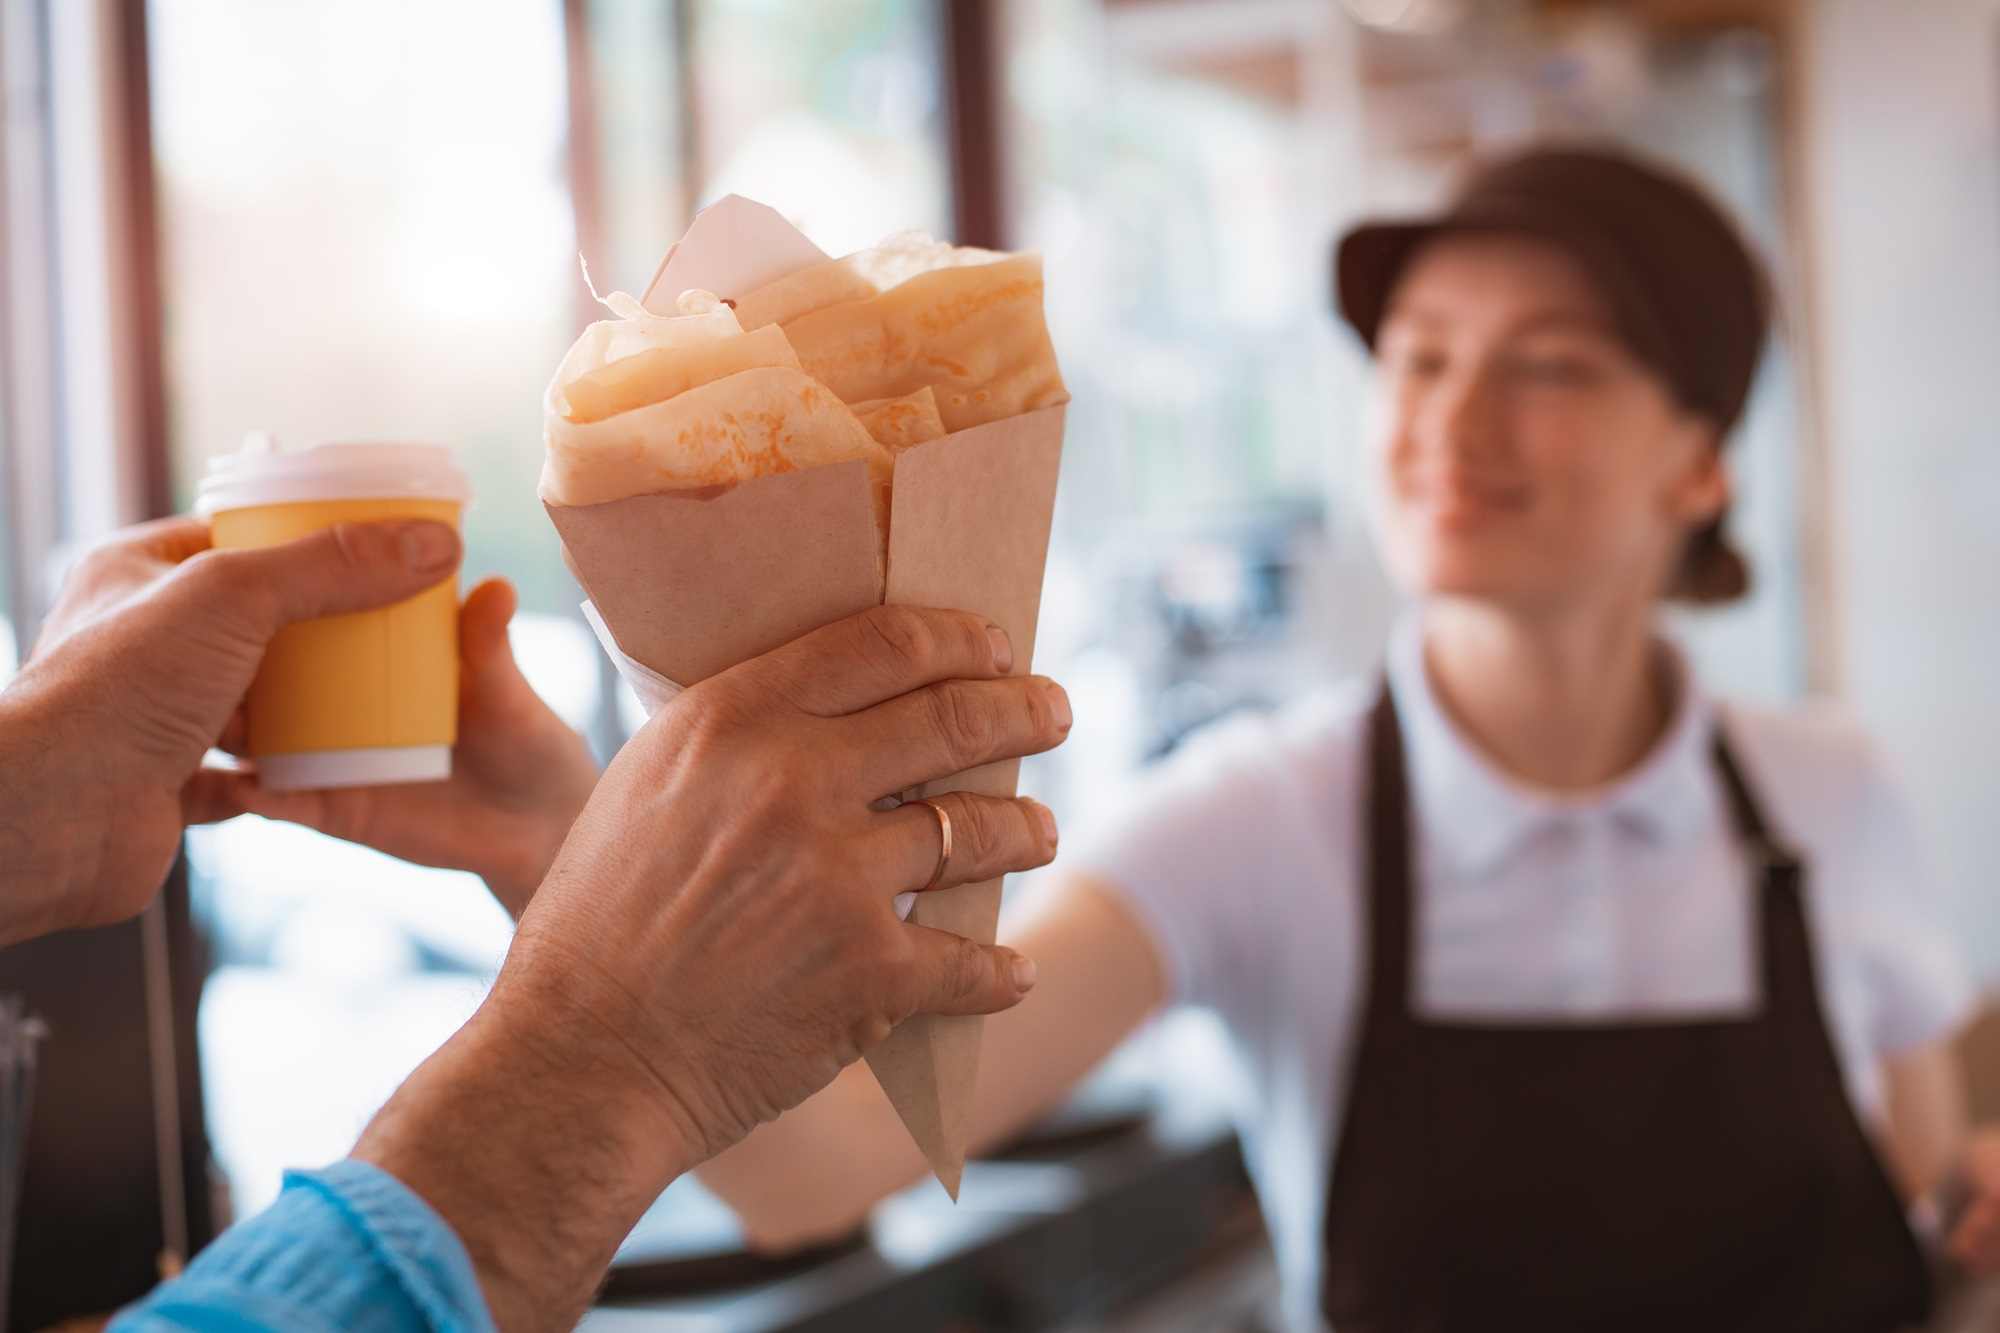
1939,1156
814,1173
1928,1124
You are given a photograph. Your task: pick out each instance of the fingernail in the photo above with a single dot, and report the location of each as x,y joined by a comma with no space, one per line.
428,548
1024,973
1058,704
1046,818
1003,648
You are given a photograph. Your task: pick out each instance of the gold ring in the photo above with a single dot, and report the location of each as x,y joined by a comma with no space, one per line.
944,842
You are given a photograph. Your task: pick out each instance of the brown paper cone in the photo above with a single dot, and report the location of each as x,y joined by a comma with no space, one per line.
969,531
692,583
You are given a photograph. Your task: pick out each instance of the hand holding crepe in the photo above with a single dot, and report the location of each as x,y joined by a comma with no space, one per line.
702,470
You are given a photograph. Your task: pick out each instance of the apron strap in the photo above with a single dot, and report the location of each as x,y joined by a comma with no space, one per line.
1789,978
1386,890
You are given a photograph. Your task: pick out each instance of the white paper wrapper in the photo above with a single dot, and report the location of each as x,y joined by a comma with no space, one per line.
655,691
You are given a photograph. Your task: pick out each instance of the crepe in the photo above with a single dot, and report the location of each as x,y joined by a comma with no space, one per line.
660,373
692,402
755,423
902,423
855,358
856,277
914,313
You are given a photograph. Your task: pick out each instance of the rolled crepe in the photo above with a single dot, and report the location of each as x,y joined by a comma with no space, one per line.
857,277
660,373
922,338
971,329
648,403
899,423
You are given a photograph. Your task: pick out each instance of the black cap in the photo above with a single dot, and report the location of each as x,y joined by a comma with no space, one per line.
1689,297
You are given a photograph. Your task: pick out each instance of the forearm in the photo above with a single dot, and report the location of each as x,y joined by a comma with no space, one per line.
811,1175
534,1143
1928,1123
814,1173
53,829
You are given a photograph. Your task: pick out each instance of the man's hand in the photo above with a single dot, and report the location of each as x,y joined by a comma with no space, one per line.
519,776
717,939
142,668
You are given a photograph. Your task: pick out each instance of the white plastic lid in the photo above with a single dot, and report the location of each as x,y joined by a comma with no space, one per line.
258,474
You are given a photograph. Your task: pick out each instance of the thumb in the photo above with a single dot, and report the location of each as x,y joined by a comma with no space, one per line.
347,567
957,976
483,645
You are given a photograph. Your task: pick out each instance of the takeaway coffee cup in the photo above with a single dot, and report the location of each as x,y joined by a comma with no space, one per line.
351,700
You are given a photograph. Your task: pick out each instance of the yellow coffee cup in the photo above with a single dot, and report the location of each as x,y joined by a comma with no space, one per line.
350,700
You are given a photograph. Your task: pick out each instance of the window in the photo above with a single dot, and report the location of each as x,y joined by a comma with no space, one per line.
1185,250
11,650
830,112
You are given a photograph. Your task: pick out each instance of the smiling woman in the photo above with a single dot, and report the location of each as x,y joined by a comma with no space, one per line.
1522,441
1573,996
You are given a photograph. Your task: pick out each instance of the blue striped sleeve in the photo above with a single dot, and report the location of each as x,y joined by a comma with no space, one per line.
348,1249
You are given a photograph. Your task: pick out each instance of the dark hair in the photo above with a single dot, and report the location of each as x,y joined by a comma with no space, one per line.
1687,293
1712,571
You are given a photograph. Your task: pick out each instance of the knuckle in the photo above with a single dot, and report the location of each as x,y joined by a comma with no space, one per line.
868,1032
1038,848
224,581
99,564
213,569
349,544
1038,707
899,638
976,830
965,720
714,709
965,970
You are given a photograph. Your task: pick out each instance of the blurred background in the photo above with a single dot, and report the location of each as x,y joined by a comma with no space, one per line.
364,221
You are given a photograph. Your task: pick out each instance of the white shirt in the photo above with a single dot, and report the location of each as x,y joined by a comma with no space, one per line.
1242,854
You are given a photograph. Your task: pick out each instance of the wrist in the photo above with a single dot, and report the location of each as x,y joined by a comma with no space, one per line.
51,811
536,1150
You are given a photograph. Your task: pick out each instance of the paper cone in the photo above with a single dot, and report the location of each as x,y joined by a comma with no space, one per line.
690,583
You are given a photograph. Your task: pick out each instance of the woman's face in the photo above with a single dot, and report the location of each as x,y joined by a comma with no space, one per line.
1523,456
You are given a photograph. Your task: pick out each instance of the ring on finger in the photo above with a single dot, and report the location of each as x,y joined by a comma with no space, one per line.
944,841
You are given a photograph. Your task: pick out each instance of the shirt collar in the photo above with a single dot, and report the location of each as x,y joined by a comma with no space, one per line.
1479,816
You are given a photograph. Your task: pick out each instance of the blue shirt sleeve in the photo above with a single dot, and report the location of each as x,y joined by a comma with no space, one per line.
349,1249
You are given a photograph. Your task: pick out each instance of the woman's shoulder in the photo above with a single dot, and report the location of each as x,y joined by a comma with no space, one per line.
1814,757
1821,769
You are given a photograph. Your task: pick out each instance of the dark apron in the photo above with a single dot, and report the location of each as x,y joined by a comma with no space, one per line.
1632,1176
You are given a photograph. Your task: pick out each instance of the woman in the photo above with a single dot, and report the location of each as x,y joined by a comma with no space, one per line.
1570,997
